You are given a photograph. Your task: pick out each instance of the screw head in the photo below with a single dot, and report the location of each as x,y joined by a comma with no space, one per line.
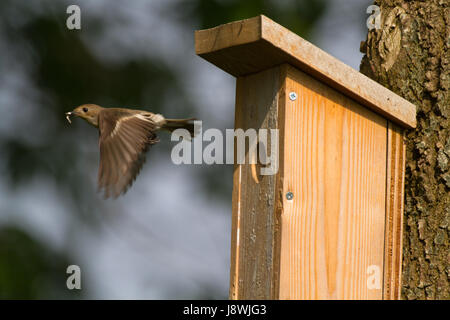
292,96
289,195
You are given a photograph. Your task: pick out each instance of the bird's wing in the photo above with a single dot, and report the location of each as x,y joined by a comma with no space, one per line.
124,139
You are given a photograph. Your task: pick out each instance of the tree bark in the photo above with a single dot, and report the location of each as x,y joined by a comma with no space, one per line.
410,55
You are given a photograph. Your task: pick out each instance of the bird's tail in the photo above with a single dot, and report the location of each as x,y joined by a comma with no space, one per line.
173,124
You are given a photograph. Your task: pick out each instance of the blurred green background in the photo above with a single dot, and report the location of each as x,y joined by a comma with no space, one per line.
168,237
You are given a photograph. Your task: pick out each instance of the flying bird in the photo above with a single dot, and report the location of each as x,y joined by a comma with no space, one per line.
125,136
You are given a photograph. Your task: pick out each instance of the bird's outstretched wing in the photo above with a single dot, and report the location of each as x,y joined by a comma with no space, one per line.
124,139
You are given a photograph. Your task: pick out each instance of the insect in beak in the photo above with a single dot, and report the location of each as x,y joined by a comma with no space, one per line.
68,115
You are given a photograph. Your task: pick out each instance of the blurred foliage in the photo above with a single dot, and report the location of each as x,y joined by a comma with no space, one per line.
61,71
30,270
298,16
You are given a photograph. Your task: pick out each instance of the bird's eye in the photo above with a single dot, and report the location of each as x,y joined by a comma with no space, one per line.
85,109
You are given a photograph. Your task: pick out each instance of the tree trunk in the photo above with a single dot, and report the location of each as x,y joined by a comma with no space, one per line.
410,55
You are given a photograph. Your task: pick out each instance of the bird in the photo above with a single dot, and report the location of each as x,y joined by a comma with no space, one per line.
125,136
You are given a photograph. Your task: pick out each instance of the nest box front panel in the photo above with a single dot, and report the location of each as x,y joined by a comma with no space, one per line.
332,230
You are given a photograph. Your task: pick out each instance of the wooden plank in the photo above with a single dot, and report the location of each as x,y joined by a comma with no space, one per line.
394,212
255,228
252,45
335,165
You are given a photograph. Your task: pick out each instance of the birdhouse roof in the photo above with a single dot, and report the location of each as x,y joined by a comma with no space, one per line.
252,45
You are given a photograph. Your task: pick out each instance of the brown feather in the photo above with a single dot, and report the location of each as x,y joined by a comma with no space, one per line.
124,140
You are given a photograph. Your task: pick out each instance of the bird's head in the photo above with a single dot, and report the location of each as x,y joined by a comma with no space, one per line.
88,112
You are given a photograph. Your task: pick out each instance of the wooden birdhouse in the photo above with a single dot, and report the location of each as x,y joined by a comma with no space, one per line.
328,223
